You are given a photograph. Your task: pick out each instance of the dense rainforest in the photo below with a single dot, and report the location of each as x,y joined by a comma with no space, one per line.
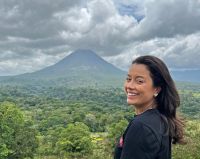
53,122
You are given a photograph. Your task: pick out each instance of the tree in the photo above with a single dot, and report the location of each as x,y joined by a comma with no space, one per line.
192,137
116,130
74,140
17,138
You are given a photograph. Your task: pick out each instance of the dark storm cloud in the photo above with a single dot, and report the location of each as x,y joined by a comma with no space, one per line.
37,33
168,19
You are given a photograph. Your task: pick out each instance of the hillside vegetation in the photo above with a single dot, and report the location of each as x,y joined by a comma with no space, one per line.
67,123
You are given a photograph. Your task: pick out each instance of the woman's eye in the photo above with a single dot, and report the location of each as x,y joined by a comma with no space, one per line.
140,81
128,79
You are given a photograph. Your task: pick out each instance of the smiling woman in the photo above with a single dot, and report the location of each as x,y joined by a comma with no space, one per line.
150,88
139,88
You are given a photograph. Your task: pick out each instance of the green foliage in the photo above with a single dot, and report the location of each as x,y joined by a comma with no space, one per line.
116,131
191,149
4,151
55,111
17,138
74,140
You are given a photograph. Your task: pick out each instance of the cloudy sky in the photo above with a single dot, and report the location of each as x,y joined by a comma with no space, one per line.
38,33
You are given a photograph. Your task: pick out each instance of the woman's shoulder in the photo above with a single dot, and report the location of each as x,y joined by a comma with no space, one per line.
152,119
148,116
143,134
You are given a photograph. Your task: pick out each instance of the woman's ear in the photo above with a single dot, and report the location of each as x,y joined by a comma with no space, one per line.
157,91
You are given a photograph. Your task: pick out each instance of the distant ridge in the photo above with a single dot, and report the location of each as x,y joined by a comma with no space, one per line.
186,75
80,68
84,68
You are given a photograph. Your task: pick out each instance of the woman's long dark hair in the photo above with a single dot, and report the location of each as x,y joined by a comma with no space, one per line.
168,98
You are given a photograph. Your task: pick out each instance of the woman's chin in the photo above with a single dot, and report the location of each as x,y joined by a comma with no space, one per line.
129,102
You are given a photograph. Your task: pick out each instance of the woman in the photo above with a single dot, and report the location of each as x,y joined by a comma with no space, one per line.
150,88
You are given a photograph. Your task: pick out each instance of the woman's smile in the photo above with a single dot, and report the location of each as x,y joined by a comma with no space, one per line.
132,95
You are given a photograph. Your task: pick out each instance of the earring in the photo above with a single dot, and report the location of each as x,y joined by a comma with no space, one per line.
155,94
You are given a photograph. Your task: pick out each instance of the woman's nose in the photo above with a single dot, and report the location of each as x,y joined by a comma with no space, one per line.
130,84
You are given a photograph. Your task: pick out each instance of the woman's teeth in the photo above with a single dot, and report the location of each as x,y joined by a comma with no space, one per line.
132,94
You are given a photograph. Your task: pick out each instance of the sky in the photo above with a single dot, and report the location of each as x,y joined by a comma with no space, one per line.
37,33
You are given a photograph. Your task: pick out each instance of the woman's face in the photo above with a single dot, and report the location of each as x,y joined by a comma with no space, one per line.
139,86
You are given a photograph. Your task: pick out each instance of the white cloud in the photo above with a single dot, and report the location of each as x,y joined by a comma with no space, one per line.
185,52
101,29
178,52
168,19
48,30
27,65
75,20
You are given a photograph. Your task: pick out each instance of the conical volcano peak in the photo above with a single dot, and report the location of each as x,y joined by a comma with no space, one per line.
82,55
84,61
80,68
83,51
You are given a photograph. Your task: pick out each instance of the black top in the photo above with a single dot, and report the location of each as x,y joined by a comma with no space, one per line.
145,138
